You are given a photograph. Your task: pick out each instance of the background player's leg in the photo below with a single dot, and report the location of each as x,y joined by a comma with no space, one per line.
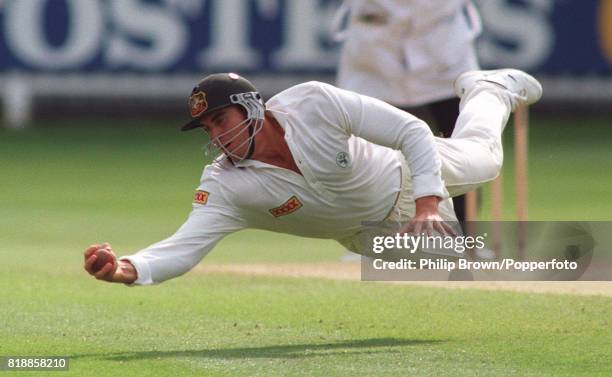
445,114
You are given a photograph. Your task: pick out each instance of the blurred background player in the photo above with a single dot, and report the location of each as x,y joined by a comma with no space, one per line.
408,53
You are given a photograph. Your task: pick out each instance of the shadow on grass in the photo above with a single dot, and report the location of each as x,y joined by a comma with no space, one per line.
290,351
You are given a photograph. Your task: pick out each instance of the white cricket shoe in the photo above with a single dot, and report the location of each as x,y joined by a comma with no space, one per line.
523,89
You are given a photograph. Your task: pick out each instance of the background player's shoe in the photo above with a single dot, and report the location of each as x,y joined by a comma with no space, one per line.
523,89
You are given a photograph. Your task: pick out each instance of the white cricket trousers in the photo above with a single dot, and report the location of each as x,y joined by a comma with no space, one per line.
472,156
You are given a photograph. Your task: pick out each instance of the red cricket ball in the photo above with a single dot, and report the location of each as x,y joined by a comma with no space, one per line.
103,257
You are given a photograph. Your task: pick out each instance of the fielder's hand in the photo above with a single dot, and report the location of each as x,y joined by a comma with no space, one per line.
427,219
101,263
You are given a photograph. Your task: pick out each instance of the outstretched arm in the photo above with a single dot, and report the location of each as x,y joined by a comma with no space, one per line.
167,259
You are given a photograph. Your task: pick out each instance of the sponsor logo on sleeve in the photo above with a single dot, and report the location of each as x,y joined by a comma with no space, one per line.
201,197
288,207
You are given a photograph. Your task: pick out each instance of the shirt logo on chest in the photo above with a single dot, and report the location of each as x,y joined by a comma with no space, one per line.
343,159
291,205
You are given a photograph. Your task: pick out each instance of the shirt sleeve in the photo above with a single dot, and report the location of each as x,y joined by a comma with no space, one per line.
383,124
174,256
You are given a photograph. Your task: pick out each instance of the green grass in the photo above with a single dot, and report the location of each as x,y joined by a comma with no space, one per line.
66,186
237,326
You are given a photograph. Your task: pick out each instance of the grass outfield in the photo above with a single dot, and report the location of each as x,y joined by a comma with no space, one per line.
64,187
238,326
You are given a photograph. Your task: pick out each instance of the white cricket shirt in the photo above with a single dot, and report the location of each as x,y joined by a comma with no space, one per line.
346,147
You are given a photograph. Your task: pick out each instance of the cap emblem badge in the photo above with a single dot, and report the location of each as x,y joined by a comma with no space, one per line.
197,103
